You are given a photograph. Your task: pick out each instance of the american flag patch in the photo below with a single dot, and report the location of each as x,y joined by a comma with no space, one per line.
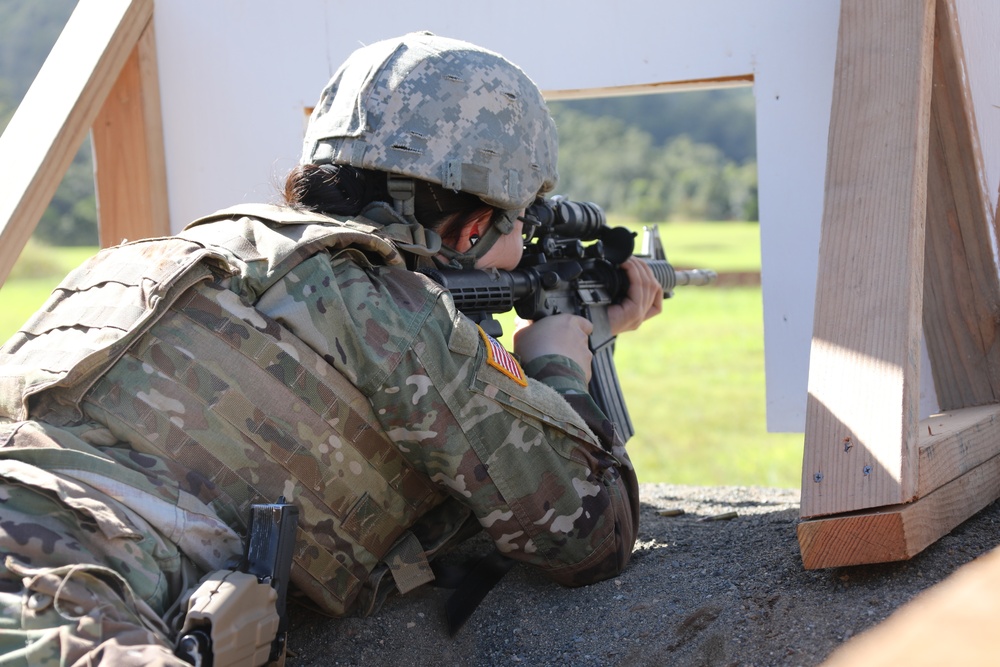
502,360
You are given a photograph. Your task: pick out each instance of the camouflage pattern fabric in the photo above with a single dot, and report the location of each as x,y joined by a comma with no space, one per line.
76,615
218,386
439,110
87,577
306,301
91,318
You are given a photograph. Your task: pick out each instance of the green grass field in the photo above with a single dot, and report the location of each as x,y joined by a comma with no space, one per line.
38,270
723,246
694,382
693,378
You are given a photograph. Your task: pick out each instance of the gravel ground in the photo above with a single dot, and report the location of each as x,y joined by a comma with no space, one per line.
706,593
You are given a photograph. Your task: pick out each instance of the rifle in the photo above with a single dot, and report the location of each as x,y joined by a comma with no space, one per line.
560,272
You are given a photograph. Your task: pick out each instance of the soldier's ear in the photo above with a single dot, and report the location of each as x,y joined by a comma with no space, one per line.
475,227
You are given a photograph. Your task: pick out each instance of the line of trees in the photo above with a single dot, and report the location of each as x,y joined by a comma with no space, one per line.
670,156
679,156
28,29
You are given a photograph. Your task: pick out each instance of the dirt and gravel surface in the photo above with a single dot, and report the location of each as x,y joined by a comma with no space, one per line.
697,593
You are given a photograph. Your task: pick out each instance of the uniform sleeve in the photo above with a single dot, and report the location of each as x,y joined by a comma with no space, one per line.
531,454
526,449
568,379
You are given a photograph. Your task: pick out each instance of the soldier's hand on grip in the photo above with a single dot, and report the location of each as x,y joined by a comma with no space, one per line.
559,334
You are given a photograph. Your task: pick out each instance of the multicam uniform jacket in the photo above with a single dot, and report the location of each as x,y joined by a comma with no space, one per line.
170,383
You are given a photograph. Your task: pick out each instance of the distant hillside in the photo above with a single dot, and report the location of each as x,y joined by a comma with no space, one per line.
667,156
723,118
28,29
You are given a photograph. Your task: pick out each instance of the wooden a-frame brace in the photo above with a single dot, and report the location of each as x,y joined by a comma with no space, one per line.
905,249
101,77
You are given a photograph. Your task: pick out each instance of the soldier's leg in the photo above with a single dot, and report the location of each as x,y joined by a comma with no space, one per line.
62,598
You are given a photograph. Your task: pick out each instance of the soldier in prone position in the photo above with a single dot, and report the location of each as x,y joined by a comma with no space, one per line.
296,351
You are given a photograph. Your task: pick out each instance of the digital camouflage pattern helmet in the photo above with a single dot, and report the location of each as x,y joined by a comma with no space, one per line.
438,110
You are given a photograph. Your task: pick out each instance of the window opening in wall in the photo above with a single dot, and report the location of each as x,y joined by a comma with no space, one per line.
694,377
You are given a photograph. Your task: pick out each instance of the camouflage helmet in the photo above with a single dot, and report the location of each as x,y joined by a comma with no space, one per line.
438,110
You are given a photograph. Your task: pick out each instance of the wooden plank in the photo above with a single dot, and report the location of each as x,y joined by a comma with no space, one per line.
951,446
58,110
898,532
955,442
129,163
952,623
861,412
961,284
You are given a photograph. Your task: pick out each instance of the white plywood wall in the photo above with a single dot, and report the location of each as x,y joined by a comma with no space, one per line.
980,24
237,74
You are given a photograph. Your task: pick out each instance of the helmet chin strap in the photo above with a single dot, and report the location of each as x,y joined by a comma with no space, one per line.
500,225
402,190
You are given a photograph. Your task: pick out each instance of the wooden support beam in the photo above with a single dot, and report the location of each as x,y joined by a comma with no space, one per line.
58,110
961,283
861,412
947,467
129,163
954,443
959,458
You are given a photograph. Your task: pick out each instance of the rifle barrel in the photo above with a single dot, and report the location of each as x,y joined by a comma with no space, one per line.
696,277
669,277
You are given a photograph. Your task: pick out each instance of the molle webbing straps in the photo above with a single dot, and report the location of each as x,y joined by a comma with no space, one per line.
222,389
91,318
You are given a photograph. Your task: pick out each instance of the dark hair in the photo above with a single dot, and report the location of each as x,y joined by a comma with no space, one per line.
336,189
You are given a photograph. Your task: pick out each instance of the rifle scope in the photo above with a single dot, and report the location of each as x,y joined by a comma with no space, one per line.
565,218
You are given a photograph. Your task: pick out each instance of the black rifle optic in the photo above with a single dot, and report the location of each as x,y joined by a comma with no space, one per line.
571,264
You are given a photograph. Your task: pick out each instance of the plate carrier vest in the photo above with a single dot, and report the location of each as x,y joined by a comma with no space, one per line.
264,414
